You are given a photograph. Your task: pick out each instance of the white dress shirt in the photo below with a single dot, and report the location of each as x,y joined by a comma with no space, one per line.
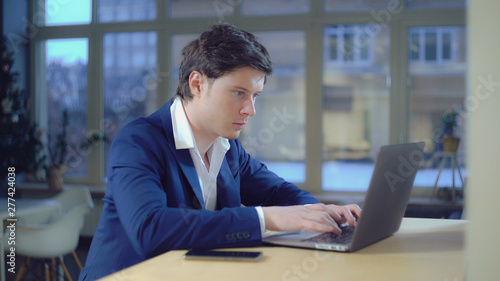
184,139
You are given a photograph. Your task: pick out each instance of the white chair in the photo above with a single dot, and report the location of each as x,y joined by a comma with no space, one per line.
71,197
57,237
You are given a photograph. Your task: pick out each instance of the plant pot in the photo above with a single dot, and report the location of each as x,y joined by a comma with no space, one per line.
450,144
55,177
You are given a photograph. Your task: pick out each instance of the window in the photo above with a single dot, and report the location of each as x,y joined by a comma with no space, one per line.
437,87
130,89
348,45
436,45
127,10
435,4
56,12
276,134
264,7
355,104
349,77
66,84
200,8
359,5
178,43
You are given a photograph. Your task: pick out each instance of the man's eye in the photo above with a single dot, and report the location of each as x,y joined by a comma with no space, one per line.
240,93
255,96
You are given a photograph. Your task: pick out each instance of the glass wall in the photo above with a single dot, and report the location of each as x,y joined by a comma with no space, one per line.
276,134
355,103
436,71
349,77
66,84
130,89
127,10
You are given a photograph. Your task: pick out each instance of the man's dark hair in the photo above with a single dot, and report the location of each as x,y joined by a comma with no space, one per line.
217,52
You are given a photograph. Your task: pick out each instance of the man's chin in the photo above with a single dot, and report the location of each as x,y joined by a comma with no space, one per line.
232,135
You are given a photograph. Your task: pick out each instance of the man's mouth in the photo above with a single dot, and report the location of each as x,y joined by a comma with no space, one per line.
239,125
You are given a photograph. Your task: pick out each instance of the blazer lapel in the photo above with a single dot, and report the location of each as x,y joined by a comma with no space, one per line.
228,190
186,163
182,156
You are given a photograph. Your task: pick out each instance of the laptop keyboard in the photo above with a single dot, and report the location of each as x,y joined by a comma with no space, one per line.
331,238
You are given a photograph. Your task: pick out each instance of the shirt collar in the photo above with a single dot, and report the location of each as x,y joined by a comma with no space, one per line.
183,135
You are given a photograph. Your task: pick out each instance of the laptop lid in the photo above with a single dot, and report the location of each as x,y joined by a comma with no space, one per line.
385,202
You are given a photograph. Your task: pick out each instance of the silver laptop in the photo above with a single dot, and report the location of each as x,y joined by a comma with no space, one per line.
383,209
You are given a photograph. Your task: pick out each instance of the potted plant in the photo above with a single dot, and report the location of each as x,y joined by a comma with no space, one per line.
449,137
58,153
57,156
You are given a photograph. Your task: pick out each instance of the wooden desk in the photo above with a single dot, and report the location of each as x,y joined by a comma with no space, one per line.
423,249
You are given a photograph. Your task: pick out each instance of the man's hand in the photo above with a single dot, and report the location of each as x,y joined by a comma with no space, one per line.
320,217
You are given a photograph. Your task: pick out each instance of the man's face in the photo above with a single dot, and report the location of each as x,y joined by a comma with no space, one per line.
225,104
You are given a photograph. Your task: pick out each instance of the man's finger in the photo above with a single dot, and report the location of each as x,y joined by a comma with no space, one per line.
322,207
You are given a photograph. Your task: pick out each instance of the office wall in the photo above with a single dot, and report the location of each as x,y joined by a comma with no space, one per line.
483,152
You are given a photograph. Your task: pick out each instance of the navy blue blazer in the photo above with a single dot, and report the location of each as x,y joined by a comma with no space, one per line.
153,201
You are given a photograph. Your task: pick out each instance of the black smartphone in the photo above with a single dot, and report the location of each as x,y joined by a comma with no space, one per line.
222,255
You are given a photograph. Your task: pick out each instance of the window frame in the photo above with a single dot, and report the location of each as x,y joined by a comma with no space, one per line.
311,24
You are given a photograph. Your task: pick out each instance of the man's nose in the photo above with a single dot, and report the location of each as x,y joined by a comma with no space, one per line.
248,107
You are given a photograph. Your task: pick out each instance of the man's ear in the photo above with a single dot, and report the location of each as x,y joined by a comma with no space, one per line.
195,83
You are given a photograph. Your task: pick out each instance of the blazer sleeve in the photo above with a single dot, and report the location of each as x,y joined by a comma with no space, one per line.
262,187
141,175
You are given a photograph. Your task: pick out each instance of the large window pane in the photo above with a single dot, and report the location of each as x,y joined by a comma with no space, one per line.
274,7
437,87
126,10
66,82
56,12
276,134
355,103
200,8
435,4
178,43
130,79
360,5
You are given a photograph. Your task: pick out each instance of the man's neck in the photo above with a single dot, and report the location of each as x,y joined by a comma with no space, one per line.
203,141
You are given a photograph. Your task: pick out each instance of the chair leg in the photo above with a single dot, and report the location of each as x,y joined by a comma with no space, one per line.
65,270
54,269
38,270
47,273
77,261
22,270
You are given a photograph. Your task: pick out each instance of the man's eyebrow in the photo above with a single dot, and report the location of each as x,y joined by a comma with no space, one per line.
241,88
244,89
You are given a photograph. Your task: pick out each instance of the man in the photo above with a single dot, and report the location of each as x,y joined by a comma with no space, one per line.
178,178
